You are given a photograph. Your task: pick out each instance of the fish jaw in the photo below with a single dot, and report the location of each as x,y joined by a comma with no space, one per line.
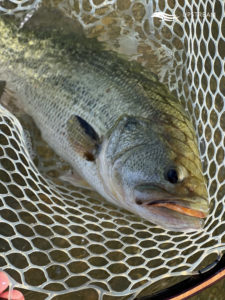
170,211
180,208
170,219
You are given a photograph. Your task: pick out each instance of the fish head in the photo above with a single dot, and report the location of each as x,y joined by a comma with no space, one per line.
154,170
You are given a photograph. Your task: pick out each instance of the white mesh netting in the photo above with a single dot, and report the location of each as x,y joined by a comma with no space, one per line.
58,239
12,7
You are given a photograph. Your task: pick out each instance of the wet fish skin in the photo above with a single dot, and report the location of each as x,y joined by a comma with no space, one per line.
143,129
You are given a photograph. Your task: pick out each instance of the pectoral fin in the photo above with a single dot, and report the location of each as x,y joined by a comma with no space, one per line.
83,137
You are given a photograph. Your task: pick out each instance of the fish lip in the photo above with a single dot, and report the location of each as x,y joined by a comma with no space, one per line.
146,196
194,205
172,220
182,207
169,210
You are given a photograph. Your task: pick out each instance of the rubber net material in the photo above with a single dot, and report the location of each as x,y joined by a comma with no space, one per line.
57,239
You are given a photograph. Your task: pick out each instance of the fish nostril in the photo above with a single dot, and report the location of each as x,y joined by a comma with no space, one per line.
191,189
138,201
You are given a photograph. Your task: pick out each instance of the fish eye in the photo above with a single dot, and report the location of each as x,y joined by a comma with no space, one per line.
172,176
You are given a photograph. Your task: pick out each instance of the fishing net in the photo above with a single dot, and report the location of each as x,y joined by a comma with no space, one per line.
60,240
12,7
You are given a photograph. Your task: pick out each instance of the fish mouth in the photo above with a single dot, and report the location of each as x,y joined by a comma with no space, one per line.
170,211
184,209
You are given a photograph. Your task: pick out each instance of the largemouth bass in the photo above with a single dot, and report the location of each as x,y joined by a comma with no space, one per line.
112,120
